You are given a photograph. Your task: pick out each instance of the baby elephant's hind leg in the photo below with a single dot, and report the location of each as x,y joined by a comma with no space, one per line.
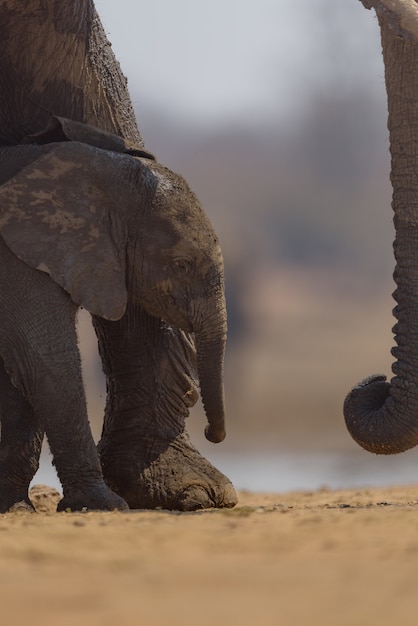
20,444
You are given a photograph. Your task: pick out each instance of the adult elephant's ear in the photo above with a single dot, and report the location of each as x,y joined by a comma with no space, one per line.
59,215
61,129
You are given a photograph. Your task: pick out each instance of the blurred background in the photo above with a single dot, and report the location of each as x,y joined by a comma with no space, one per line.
275,113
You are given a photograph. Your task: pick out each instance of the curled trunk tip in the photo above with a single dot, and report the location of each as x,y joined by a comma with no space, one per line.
372,421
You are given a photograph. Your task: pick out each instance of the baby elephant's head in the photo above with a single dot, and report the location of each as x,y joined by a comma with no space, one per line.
108,226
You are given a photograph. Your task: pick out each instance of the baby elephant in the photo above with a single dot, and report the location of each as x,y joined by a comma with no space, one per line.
85,220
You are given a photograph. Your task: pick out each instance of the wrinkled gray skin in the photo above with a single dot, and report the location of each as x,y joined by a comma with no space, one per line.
383,416
97,228
79,212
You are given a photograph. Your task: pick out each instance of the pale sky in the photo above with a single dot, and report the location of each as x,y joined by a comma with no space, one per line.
233,58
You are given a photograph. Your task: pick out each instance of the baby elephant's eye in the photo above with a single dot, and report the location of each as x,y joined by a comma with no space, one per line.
183,266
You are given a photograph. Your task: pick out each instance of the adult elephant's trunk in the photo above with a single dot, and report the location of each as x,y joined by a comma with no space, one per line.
210,349
383,417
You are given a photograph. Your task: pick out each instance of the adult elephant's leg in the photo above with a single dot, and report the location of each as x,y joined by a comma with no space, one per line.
20,444
145,452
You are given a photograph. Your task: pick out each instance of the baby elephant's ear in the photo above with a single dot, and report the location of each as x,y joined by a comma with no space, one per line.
58,216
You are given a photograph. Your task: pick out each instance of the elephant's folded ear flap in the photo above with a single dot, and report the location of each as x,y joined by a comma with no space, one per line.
61,129
53,132
58,216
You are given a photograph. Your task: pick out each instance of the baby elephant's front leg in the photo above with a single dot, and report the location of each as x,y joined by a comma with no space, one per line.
42,359
20,445
62,401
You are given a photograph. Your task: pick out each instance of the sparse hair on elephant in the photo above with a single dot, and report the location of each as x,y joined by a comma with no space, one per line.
87,219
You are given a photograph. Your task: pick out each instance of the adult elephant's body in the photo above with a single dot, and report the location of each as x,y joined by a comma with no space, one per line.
55,59
383,417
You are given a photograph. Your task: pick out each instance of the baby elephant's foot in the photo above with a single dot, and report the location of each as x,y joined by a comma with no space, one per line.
13,498
169,475
92,498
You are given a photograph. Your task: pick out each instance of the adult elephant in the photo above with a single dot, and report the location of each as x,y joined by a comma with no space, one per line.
383,417
55,59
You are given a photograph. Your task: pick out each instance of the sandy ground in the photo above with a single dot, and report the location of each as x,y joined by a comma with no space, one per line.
325,557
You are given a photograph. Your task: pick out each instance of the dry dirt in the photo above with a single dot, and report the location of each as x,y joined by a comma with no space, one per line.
325,557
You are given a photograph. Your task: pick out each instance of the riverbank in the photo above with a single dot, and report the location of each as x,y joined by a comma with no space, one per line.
348,557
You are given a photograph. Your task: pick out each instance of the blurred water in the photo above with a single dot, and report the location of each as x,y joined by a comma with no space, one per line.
287,472
283,472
